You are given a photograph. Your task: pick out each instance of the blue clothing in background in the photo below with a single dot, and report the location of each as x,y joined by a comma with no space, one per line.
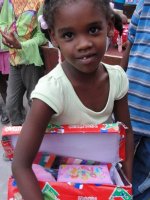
139,97
118,4
119,1
139,68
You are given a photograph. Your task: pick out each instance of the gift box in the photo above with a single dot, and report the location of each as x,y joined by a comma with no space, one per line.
104,143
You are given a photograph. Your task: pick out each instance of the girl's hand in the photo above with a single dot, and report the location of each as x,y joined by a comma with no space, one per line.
10,40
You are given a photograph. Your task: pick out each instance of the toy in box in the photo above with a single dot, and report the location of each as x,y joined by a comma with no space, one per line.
103,144
98,174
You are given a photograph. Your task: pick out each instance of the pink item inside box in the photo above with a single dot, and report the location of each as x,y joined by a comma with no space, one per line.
98,174
42,174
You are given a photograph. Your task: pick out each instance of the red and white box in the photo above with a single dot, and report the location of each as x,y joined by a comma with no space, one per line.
103,143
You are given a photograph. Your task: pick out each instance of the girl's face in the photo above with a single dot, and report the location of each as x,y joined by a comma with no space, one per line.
80,31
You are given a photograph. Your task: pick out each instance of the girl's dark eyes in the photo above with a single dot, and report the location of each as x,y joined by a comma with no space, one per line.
68,35
94,30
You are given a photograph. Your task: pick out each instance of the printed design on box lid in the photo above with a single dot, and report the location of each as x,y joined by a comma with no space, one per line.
6,143
120,192
9,129
17,196
49,192
109,127
87,128
55,128
87,198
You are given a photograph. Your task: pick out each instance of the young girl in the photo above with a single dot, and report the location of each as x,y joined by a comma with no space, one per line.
81,90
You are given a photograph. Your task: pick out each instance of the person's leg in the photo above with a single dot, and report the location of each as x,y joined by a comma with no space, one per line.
3,86
3,89
141,170
15,93
30,75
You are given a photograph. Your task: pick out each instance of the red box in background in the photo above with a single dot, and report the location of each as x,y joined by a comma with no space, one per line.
124,36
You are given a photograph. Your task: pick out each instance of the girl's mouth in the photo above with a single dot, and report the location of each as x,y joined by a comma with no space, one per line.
88,59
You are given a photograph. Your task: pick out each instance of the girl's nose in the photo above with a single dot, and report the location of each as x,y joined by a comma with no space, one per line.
84,43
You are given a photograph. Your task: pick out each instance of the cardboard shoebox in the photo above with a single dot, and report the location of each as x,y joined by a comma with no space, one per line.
104,143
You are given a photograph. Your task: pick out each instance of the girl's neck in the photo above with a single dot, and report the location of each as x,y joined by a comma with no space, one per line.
75,75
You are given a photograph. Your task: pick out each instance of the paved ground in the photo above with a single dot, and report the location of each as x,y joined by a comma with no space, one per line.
5,168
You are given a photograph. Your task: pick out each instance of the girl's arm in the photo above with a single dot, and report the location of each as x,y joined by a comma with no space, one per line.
27,147
121,113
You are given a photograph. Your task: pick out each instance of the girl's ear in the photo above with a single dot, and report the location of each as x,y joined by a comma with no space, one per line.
110,28
53,39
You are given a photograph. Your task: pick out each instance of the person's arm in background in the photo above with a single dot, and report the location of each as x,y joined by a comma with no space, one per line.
125,58
3,22
38,39
35,42
131,35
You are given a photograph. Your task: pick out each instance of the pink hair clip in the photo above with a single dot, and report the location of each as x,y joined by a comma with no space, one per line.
42,22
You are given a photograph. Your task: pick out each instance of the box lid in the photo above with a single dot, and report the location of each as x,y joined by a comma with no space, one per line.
103,142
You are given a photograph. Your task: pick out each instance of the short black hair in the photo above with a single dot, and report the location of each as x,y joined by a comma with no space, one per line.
50,8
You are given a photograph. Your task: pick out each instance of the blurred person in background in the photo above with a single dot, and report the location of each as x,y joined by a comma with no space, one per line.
136,61
21,33
4,71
